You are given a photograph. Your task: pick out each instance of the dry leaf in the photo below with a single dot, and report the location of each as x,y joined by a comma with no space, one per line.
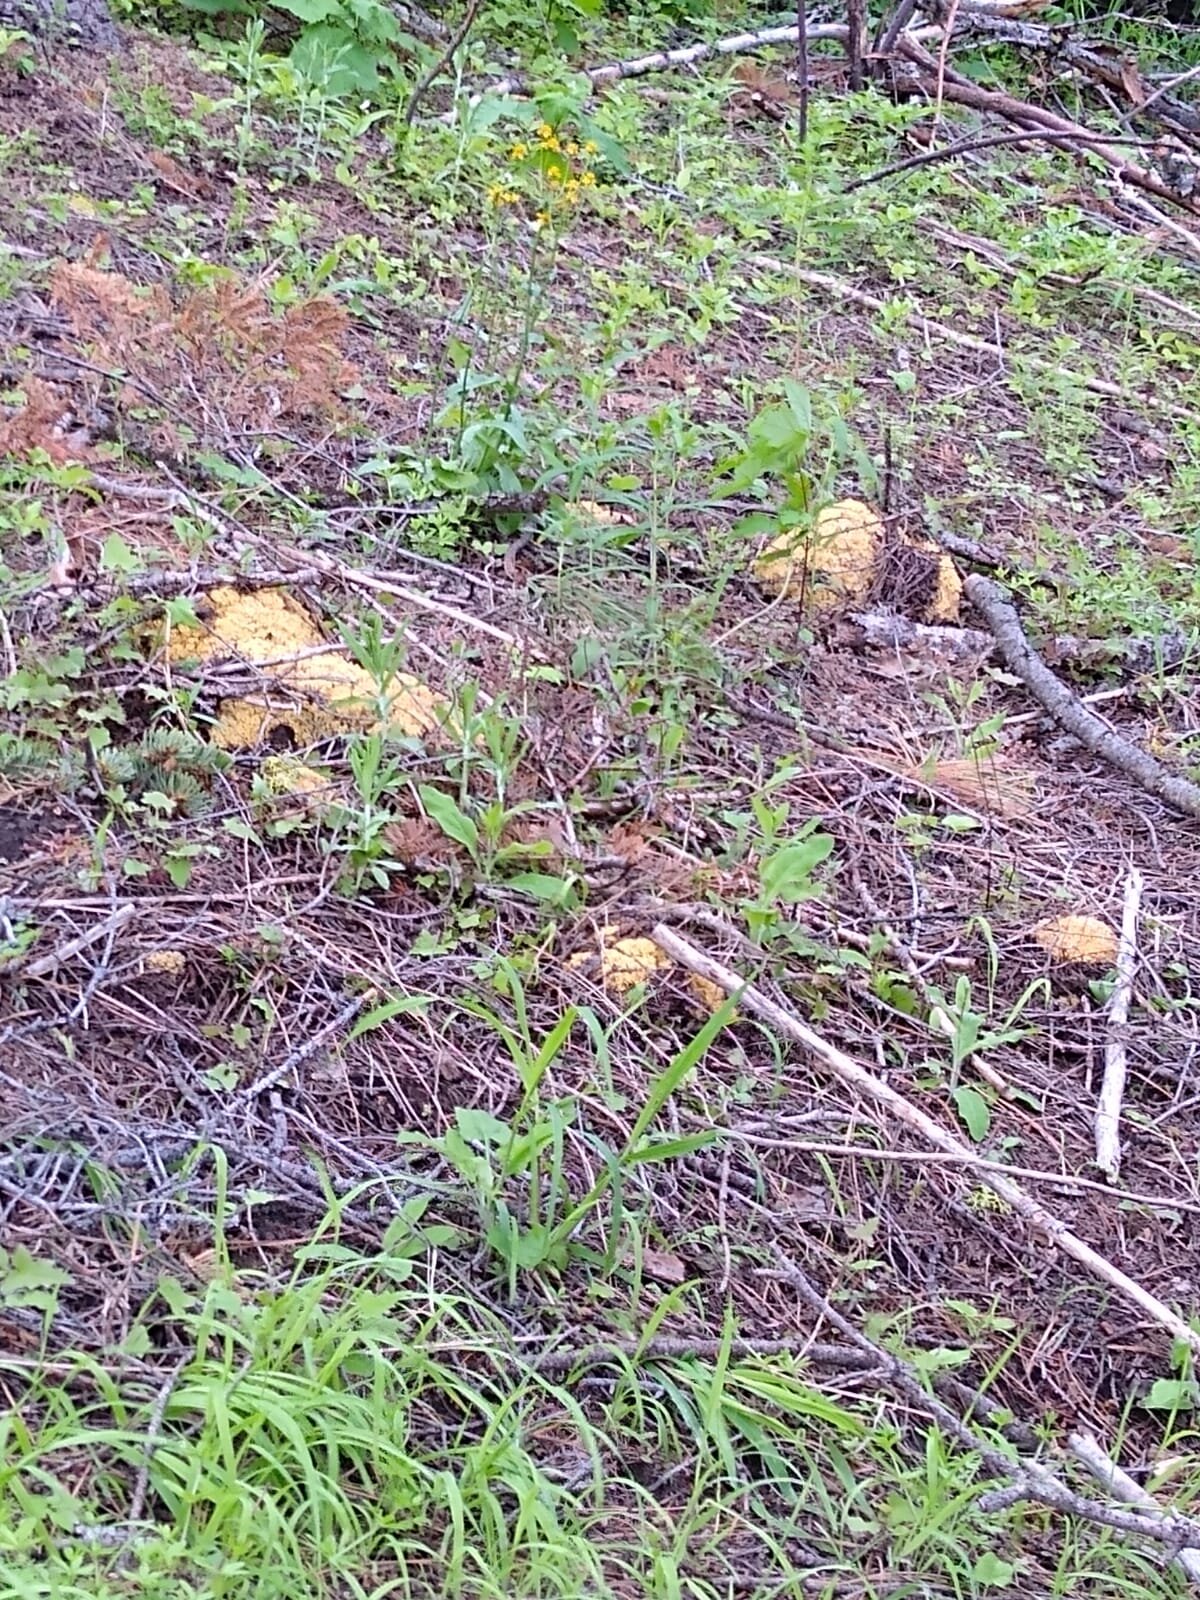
983,785
1086,940
594,511
664,1265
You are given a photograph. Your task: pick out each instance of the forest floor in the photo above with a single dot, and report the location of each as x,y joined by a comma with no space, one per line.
393,710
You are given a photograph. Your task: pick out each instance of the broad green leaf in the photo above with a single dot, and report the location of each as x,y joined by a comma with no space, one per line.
449,816
974,1111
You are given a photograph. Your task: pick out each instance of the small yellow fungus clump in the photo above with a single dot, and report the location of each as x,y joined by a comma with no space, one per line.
829,565
1086,940
313,690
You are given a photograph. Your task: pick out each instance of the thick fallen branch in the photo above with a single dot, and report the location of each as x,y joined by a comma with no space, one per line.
1113,70
1057,700
1121,1486
888,630
685,56
1057,1234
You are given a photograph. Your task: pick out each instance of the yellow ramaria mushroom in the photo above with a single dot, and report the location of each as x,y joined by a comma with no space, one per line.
315,692
1086,940
828,565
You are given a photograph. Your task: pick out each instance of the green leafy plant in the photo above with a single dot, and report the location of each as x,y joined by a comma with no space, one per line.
799,447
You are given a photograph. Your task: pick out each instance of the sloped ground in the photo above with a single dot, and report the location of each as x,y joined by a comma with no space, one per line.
239,1018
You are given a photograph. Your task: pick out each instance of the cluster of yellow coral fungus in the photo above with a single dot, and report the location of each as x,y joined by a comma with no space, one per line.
314,691
1070,939
834,563
625,962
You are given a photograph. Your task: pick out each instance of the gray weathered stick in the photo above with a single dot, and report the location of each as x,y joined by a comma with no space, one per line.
990,600
1112,1089
858,1077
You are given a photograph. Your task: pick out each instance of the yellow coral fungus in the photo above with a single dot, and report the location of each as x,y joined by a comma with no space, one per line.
314,692
833,563
1086,940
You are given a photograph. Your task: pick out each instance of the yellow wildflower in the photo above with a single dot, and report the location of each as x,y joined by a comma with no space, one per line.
545,132
590,147
588,179
572,148
518,152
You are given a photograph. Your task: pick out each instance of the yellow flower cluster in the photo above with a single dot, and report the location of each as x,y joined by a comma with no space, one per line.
562,165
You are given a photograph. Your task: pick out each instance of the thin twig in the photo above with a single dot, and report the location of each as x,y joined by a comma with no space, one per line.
308,1049
141,1486
858,1077
943,52
441,63
1112,1089
964,147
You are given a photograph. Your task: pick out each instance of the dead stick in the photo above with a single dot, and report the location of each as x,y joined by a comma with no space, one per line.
441,63
802,63
1055,698
1112,1089
829,283
963,147
1121,1486
44,965
685,56
1031,1480
865,1082
965,93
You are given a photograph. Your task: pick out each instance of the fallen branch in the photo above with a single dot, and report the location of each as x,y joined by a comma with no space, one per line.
1121,1486
685,56
1108,69
966,147
888,630
1112,1089
43,966
1057,700
965,93
1029,1480
865,1082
